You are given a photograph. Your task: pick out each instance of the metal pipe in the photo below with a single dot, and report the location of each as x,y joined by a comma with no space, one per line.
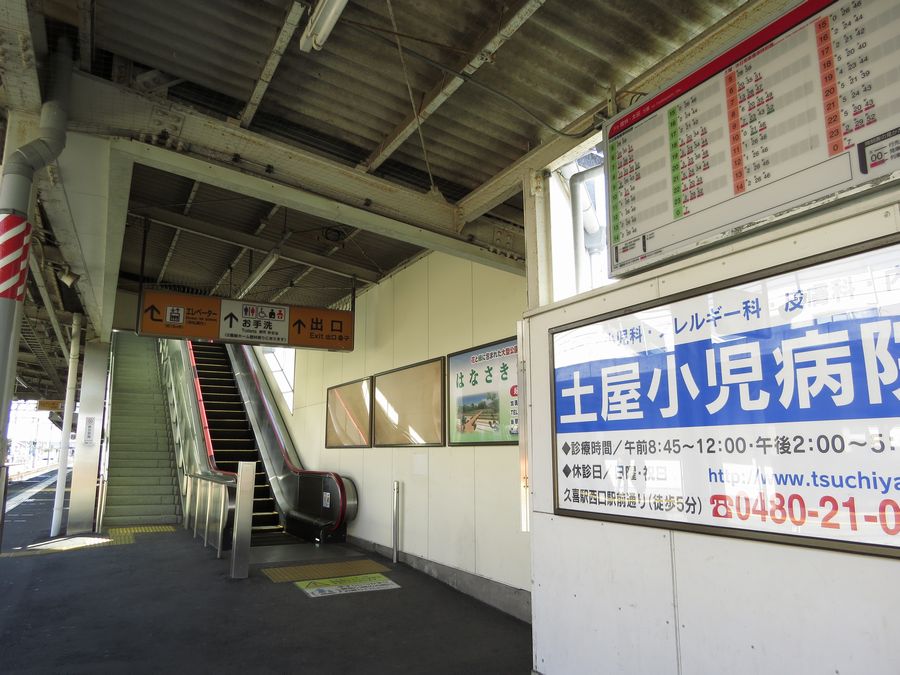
68,413
575,183
396,532
15,231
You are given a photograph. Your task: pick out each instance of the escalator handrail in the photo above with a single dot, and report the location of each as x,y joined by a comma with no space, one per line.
281,444
204,422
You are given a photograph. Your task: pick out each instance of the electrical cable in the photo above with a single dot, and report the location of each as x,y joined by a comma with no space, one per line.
412,101
468,78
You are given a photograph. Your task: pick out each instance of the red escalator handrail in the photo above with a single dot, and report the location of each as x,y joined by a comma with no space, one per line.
289,462
204,422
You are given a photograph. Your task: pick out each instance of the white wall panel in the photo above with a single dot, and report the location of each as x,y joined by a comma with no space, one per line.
502,550
314,378
451,507
374,520
351,462
411,470
498,299
784,609
450,303
411,315
301,368
602,599
354,366
380,328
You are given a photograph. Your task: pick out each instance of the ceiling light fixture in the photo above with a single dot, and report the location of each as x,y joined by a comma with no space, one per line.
322,21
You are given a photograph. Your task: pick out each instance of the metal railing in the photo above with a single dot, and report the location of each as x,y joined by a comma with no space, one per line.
213,502
210,500
103,472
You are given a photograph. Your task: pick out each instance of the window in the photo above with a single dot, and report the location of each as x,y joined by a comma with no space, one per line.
578,226
280,361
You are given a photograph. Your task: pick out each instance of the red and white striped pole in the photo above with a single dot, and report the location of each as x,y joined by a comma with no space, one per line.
15,238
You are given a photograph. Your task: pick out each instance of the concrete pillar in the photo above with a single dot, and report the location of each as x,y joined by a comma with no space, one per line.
91,400
538,272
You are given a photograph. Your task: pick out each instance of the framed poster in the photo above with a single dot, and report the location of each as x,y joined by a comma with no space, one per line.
409,405
768,409
483,395
348,415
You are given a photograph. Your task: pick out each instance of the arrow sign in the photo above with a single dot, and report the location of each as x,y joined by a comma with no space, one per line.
231,318
154,313
298,324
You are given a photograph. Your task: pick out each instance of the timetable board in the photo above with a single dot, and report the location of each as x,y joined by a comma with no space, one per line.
804,109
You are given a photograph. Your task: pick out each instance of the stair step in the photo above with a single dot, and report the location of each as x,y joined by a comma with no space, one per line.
265,519
141,477
117,473
130,510
141,489
116,463
124,500
124,452
116,521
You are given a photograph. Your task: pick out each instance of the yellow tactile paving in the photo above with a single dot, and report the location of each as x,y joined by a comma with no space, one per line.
117,536
323,570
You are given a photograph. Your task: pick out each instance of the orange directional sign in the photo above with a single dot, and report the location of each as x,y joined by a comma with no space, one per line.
322,328
180,315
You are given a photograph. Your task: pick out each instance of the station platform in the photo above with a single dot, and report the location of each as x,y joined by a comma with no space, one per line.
151,599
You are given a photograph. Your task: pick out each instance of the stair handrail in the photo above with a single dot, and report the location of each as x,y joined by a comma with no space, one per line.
204,421
103,469
212,499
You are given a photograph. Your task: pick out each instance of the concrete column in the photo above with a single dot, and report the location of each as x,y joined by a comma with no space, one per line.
91,400
68,413
538,272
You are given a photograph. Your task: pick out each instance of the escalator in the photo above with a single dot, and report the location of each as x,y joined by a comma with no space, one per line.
236,409
232,437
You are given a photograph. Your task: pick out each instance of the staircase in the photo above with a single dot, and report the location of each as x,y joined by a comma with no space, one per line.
232,437
142,488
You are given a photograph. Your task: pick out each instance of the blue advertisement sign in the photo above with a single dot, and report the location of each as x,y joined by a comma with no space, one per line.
771,406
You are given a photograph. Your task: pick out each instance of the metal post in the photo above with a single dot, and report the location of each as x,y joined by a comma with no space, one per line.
396,533
68,412
243,520
4,476
187,501
209,492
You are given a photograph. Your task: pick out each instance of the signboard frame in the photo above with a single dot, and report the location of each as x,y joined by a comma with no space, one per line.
202,317
722,531
329,444
463,356
751,42
437,415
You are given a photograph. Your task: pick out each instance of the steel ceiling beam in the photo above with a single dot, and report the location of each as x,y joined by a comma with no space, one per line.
105,108
252,243
703,47
487,46
317,205
305,273
174,243
268,72
244,251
